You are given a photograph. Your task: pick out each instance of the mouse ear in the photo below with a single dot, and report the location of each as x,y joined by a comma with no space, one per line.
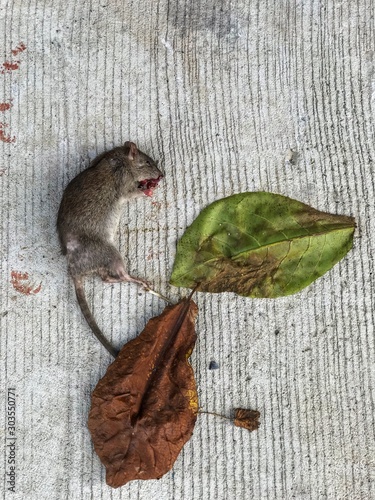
131,150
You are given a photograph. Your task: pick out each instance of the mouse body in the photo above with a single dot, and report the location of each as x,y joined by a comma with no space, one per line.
89,215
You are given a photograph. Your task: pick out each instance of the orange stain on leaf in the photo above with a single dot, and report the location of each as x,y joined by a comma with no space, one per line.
21,283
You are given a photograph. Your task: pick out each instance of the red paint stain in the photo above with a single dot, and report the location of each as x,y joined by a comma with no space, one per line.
7,67
20,48
21,283
4,106
3,136
10,66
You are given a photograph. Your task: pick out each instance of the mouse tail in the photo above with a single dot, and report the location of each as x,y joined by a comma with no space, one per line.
81,298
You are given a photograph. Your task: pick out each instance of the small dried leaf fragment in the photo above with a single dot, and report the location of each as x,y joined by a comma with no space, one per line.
144,408
248,419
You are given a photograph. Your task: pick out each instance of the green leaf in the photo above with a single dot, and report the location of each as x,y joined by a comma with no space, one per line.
260,245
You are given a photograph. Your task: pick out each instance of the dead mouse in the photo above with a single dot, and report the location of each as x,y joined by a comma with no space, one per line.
89,214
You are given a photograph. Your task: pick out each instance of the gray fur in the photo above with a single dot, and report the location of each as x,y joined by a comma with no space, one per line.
89,215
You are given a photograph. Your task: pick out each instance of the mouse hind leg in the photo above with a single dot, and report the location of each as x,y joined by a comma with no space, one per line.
114,270
88,256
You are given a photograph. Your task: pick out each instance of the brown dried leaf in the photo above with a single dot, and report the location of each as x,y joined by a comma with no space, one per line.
145,407
248,419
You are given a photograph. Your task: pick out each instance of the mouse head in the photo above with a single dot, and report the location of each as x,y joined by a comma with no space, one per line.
144,170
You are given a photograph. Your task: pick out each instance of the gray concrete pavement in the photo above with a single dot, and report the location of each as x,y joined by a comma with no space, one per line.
220,93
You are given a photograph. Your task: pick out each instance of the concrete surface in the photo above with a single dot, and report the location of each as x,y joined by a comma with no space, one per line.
230,97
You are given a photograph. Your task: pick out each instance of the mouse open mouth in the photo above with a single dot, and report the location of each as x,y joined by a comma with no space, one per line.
148,185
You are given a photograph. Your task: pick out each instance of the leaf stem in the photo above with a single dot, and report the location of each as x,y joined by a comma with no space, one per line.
193,291
214,414
157,294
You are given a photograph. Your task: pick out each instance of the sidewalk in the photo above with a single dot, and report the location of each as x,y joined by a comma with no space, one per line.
229,97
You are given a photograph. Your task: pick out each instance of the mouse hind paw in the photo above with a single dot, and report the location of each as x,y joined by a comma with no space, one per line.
121,277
